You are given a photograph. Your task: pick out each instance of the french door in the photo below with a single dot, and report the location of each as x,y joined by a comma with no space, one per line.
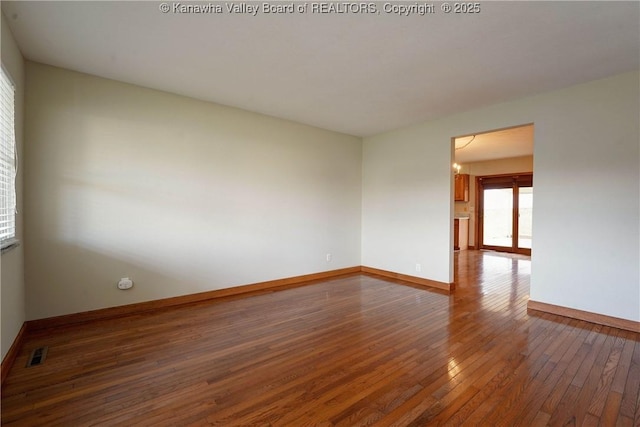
505,207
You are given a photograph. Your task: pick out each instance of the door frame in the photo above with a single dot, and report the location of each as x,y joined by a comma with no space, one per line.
522,179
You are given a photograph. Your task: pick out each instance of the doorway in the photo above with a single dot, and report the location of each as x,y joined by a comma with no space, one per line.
505,207
496,153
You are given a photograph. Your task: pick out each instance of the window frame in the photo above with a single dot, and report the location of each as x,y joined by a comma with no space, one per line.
11,240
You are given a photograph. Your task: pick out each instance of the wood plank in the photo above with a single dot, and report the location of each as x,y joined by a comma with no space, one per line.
137,308
611,409
10,357
411,279
631,394
587,316
358,349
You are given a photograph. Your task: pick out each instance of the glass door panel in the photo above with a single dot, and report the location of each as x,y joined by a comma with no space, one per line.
498,217
525,211
505,208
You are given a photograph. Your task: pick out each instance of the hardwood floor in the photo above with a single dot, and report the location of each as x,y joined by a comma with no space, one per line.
357,350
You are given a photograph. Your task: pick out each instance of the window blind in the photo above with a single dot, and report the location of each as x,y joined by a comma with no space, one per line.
7,162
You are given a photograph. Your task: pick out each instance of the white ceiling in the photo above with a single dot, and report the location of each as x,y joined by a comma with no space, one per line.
359,74
501,144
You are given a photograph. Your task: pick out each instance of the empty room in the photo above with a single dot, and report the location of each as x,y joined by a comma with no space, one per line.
299,213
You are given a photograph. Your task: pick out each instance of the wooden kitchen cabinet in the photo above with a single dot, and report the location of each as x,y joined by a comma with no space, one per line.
461,189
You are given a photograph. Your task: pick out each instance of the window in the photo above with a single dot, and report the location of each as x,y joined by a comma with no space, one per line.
7,163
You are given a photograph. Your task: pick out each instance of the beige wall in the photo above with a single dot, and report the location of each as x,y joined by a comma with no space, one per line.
182,196
489,167
587,202
12,291
186,196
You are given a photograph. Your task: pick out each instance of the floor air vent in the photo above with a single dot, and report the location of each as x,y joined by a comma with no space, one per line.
37,356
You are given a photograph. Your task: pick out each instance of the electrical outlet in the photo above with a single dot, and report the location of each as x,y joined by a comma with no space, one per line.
328,257
418,268
125,283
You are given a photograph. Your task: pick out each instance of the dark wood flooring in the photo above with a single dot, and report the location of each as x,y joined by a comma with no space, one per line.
352,351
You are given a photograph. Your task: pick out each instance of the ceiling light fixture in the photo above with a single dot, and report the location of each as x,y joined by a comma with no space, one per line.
467,144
